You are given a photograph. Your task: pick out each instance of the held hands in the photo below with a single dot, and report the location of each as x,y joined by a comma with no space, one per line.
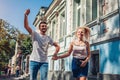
54,57
27,12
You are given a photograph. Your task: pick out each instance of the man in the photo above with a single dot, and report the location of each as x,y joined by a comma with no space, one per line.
40,41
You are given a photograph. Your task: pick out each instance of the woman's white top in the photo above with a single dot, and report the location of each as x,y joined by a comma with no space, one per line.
79,51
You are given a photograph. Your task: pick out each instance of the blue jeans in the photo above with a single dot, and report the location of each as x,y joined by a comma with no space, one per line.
77,70
35,66
17,73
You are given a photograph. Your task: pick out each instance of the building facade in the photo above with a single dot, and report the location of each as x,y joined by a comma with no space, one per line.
103,18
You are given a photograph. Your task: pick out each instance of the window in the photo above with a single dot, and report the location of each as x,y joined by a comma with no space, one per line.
62,24
108,6
91,10
53,29
94,9
84,11
49,32
76,14
88,11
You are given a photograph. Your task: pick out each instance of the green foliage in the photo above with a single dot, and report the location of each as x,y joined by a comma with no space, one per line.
9,35
26,45
8,38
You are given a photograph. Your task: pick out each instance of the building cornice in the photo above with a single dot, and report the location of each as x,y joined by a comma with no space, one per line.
52,7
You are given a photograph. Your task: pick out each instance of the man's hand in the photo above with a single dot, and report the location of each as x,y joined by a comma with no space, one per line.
27,12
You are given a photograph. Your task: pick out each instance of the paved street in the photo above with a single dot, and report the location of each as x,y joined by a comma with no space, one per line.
12,77
4,77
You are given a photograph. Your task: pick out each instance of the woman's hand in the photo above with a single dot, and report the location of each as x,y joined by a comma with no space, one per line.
83,64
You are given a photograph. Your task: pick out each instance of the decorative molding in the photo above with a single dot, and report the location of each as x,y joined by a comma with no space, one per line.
109,76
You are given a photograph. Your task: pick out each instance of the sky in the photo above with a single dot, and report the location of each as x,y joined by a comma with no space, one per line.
12,11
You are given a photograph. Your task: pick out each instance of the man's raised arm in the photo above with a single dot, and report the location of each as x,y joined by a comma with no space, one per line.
26,25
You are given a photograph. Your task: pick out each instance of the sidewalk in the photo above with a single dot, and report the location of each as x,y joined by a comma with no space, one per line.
13,77
4,77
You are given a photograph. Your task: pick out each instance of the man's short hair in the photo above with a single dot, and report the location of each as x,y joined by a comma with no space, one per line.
42,22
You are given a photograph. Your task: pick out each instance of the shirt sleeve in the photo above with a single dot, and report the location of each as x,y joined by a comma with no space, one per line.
50,40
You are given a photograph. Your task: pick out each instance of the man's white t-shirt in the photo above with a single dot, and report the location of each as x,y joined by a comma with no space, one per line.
40,47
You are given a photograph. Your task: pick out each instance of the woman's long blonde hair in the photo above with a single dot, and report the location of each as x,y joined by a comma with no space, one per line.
87,32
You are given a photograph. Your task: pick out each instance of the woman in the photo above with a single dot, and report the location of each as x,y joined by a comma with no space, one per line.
80,50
